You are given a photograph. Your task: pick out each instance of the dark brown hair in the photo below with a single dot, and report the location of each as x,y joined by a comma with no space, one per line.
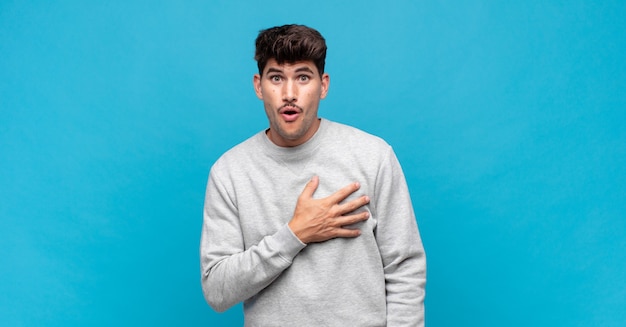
290,43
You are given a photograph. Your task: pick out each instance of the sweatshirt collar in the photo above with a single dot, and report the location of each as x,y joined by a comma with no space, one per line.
296,151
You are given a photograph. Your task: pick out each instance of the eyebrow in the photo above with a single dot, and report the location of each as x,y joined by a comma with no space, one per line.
298,70
304,69
274,70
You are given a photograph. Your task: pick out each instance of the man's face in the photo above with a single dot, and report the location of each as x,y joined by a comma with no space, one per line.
291,93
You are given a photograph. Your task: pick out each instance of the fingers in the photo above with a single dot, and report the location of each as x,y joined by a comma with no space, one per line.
344,232
353,205
341,231
344,192
336,198
351,219
310,187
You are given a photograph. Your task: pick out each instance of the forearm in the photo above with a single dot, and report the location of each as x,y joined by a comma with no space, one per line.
405,286
228,279
404,262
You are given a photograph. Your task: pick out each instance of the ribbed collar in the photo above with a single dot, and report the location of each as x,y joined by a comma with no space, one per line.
296,152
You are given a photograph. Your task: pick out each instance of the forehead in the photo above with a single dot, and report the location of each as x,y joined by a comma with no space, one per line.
290,67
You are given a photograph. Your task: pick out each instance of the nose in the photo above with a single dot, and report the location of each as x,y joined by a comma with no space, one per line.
290,91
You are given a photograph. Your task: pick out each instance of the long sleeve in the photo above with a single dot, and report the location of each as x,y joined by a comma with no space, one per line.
404,259
249,254
231,273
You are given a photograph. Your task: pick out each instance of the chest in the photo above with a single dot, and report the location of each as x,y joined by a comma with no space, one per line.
266,196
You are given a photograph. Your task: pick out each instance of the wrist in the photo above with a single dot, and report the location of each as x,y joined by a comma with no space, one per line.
296,231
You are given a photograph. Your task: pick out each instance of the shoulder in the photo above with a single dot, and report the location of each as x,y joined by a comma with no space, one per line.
356,138
238,154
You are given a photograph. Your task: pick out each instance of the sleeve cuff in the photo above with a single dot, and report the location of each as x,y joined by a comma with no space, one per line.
288,243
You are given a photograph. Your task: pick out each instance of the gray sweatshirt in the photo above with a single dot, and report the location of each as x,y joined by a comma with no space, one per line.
249,254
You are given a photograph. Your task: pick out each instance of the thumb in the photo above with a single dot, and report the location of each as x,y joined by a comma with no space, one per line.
310,187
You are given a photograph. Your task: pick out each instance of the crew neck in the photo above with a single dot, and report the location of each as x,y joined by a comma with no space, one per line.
306,147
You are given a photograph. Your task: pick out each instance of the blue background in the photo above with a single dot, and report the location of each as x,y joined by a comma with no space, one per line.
508,118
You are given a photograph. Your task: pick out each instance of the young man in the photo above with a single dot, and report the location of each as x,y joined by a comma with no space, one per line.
309,222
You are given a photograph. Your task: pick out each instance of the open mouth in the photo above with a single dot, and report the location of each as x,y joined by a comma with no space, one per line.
290,114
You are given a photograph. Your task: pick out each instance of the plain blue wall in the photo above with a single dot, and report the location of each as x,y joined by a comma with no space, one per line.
508,119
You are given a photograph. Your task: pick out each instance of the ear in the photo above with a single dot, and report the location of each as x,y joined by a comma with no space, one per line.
256,82
325,85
